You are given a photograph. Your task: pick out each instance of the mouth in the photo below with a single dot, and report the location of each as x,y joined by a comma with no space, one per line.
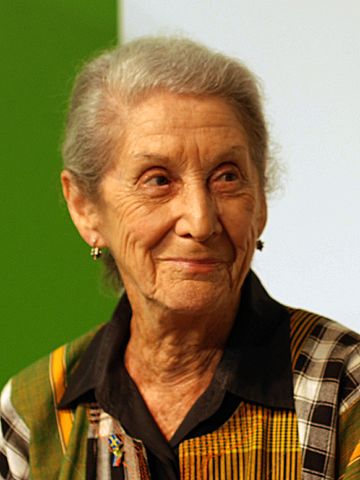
194,265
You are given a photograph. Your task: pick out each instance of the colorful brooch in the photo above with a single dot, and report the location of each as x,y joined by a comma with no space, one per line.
117,449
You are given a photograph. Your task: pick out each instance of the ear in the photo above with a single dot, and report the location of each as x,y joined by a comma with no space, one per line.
262,214
82,210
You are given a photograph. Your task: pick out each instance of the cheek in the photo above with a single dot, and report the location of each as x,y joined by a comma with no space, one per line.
135,229
239,221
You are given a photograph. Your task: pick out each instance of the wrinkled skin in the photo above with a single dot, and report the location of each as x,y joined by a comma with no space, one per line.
180,211
182,208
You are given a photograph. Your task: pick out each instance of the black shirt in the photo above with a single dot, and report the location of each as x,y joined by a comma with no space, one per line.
255,366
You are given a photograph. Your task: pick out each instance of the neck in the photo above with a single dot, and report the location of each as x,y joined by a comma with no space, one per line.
173,348
172,357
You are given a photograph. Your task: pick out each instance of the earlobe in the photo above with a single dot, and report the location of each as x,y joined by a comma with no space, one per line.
82,210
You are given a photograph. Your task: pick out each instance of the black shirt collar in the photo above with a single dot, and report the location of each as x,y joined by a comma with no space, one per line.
256,364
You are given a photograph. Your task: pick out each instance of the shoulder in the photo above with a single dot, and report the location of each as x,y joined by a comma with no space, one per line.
31,392
326,377
320,340
326,359
29,419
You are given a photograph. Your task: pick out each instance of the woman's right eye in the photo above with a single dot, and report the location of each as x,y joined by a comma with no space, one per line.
157,181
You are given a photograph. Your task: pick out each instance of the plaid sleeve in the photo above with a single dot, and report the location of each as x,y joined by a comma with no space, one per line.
349,421
14,441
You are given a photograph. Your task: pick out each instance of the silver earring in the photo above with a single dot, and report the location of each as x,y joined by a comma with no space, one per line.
95,251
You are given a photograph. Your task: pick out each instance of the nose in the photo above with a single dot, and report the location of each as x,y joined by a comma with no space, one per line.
199,216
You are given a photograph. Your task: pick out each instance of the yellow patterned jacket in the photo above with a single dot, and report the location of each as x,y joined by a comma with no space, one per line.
298,417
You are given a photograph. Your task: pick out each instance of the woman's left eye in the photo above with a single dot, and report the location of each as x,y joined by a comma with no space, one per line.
227,177
227,181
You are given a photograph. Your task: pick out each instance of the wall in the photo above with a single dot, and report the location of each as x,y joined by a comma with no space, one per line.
308,55
49,287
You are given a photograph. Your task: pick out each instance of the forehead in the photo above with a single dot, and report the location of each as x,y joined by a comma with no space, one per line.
168,121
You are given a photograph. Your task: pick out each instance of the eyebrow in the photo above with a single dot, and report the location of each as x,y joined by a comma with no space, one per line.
151,157
238,150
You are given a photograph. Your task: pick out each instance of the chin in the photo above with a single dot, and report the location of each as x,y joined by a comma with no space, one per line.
192,297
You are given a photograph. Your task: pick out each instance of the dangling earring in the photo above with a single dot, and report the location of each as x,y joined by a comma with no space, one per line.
95,251
259,244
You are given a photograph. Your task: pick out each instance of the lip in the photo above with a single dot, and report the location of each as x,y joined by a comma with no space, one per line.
194,265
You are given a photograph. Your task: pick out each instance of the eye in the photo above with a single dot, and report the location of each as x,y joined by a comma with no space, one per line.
157,181
226,179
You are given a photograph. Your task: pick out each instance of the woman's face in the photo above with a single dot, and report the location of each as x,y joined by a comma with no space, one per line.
181,209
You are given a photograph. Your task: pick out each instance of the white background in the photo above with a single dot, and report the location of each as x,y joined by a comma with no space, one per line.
308,55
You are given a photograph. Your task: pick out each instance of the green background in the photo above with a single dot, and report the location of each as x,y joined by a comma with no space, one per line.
50,288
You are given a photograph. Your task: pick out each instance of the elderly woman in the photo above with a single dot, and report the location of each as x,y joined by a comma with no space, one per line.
199,374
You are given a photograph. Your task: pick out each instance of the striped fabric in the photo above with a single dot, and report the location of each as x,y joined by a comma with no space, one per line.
256,443
57,374
104,431
320,440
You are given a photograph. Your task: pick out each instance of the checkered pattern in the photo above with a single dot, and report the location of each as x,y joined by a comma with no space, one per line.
327,371
14,441
326,366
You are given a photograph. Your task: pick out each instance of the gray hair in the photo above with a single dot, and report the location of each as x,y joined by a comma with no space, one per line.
119,78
